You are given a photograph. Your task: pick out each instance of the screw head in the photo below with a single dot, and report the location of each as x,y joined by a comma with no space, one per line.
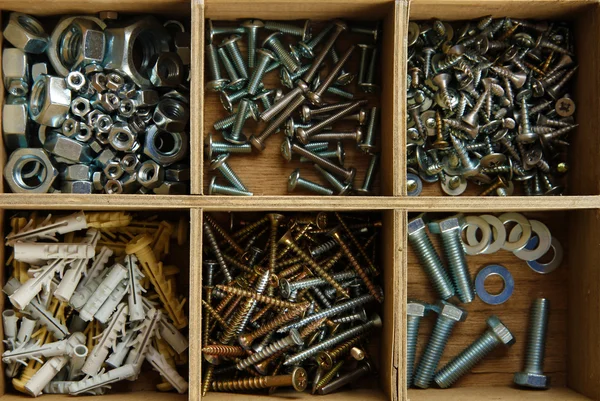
266,53
324,360
244,342
254,141
226,101
314,98
209,146
341,154
252,24
284,288
237,84
340,25
307,31
236,141
289,127
269,39
302,136
286,78
218,162
217,85
293,180
210,31
305,113
211,186
287,239
344,79
305,50
286,149
299,379
231,39
295,336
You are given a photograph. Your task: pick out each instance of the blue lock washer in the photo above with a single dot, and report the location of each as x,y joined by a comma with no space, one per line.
509,284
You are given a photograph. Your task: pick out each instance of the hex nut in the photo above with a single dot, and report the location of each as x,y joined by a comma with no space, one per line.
171,115
104,157
85,41
75,81
130,162
85,134
129,183
50,101
177,173
171,188
146,98
103,125
77,187
113,170
70,127
148,35
127,108
177,95
95,145
98,81
127,91
15,123
113,187
68,148
26,33
150,174
23,160
183,46
80,107
37,70
15,70
114,82
98,180
76,172
120,137
93,116
167,70
107,101
164,147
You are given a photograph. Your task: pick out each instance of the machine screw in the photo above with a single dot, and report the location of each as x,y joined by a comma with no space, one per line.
220,164
251,27
305,32
315,97
235,136
343,78
230,43
533,374
355,136
338,26
217,82
369,175
215,148
368,145
295,181
297,379
264,58
304,134
340,187
286,59
216,189
235,81
282,103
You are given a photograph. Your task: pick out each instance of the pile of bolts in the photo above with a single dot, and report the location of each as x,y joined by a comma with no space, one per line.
285,302
99,105
306,113
528,240
488,103
92,300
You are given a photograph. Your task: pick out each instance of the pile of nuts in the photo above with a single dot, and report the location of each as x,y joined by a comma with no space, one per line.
524,244
92,301
273,304
488,103
306,113
101,104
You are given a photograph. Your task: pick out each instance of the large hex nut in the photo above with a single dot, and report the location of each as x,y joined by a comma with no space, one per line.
80,106
146,98
24,160
171,115
167,70
67,148
14,68
177,173
50,101
86,43
77,187
76,172
120,137
183,46
164,147
26,33
76,81
151,174
145,35
15,123
113,170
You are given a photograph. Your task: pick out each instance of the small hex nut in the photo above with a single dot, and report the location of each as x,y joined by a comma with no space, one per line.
164,147
98,180
93,116
130,183
98,81
177,173
15,70
452,312
107,101
417,308
150,174
113,170
50,101
70,127
76,172
80,107
146,98
15,123
113,187
171,188
85,134
171,115
86,42
127,108
130,163
76,81
68,148
77,187
20,161
167,70
114,82
183,46
26,33
120,137
103,125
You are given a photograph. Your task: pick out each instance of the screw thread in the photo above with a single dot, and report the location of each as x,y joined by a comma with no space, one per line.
427,62
288,29
223,234
252,35
431,263
543,165
237,59
315,282
323,248
314,42
278,106
510,148
496,170
240,119
464,362
265,353
327,154
333,136
461,152
525,127
271,325
370,174
314,187
223,190
412,336
372,66
213,62
373,119
433,352
335,117
231,176
331,374
340,92
286,59
258,74
214,247
332,76
343,349
231,71
280,119
347,378
335,183
214,314
300,71
536,340
227,122
250,228
207,379
249,383
224,350
326,164
222,147
455,255
310,74
259,297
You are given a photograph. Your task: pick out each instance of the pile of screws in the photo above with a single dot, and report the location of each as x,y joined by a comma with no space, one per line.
94,302
524,245
85,113
299,57
488,102
273,304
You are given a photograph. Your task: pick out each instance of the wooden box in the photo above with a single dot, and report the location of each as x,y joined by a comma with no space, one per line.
576,361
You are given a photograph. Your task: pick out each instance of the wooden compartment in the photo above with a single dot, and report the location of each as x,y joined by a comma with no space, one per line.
269,172
582,178
572,354
384,348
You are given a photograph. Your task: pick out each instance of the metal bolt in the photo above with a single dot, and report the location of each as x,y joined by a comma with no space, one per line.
369,175
251,27
220,164
297,379
533,374
316,97
236,136
368,145
340,188
305,32
338,154
497,334
340,92
235,81
304,134
286,59
264,58
282,103
364,50
295,181
355,136
230,43
217,82
215,148
338,26
345,379
415,311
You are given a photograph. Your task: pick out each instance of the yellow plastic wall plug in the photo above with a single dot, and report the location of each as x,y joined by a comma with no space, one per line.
108,220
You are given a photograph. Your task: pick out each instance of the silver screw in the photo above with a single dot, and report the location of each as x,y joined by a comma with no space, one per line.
315,349
264,58
214,247
304,134
449,315
286,59
306,48
236,136
305,31
415,311
216,189
355,136
428,257
217,82
235,81
533,374
265,98
229,99
292,339
450,230
215,148
355,317
220,163
338,154
374,32
295,181
288,148
228,121
251,27
368,146
364,50
287,288
230,43
340,187
497,334
340,92
368,86
212,30
369,175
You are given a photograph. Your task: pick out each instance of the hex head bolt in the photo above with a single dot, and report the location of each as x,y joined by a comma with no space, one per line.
288,148
217,82
295,181
533,374
265,57
230,44
497,334
316,97
235,81
415,311
365,189
449,315
304,134
450,229
217,189
251,27
340,188
345,379
281,104
297,379
428,258
288,61
339,27
220,164
216,148
292,339
336,339
368,145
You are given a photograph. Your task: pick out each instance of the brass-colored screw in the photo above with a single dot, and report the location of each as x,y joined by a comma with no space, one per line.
238,249
214,314
246,340
330,375
327,359
298,380
357,244
260,298
208,375
275,220
224,350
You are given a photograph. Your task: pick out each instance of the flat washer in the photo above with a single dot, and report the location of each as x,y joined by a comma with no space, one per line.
418,184
544,239
545,268
498,234
486,235
491,270
525,226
